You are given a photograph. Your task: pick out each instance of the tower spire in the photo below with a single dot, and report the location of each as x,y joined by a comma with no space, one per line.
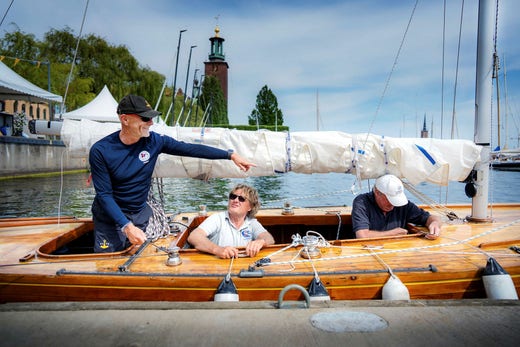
424,131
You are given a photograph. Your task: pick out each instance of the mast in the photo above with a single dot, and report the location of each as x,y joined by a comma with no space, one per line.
483,93
317,112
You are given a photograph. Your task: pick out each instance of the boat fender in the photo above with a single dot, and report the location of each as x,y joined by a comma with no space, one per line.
317,291
497,282
226,291
394,289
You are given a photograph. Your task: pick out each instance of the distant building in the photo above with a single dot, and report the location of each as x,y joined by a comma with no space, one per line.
424,131
217,65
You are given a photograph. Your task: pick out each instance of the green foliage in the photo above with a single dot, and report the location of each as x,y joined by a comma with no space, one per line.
97,63
266,111
213,96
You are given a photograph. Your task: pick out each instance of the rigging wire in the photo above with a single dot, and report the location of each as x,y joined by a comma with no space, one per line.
454,114
391,72
74,59
442,72
6,11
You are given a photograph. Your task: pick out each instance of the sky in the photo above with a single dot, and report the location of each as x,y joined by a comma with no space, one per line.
354,66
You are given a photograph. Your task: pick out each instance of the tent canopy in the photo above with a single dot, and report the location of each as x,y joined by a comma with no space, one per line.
103,108
14,86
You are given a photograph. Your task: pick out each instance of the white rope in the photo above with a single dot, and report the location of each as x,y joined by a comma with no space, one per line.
402,250
442,209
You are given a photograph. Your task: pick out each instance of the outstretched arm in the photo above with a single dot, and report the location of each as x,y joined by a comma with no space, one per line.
243,164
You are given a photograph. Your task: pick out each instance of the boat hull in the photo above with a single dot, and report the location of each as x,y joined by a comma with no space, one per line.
449,267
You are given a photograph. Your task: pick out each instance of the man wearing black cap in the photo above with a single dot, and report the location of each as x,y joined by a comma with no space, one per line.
122,165
385,211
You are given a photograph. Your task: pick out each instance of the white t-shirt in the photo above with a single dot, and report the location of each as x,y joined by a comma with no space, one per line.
222,232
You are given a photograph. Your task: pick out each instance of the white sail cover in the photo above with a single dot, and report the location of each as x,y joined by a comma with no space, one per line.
365,155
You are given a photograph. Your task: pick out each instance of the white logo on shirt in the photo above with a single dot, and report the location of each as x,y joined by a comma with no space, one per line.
144,156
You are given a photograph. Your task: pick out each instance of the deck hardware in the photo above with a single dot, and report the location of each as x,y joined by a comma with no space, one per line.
281,304
174,229
515,248
202,211
27,257
287,209
251,272
263,261
125,266
310,247
174,258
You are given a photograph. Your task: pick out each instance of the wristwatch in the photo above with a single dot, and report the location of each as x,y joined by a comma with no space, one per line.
230,153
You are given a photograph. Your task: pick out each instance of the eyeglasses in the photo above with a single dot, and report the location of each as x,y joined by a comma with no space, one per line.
234,196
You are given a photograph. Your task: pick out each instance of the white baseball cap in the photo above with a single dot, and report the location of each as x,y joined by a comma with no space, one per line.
393,189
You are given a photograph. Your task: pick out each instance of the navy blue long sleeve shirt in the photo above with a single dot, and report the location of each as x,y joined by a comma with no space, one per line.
122,173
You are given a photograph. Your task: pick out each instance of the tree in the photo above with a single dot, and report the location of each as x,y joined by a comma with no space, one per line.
97,63
212,95
266,111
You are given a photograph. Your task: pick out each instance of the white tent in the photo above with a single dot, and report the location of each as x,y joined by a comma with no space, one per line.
14,86
103,108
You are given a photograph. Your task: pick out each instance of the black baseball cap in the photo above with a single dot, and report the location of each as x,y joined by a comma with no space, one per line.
135,104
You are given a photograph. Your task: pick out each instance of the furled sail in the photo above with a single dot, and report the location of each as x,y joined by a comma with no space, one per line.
365,155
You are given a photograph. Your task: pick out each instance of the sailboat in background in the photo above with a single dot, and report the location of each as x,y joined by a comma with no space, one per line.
504,158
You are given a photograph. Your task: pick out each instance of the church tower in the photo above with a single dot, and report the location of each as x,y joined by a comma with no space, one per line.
217,65
424,131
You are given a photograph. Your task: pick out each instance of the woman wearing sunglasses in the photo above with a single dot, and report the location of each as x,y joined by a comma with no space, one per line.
221,233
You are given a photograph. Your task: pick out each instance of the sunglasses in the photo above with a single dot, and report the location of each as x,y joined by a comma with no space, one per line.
234,196
144,119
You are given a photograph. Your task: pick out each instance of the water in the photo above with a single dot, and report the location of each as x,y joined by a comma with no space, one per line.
35,197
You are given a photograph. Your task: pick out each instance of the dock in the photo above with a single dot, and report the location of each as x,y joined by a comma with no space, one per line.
468,322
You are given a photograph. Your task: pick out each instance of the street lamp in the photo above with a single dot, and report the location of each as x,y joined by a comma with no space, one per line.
194,93
175,77
198,96
186,84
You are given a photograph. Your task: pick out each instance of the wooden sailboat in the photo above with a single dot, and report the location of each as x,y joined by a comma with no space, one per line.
51,259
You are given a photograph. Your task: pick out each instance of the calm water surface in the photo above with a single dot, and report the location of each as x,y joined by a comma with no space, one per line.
41,196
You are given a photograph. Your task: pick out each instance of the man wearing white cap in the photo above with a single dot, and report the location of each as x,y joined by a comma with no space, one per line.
385,211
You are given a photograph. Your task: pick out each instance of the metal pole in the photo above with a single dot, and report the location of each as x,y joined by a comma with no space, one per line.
186,86
198,96
194,95
175,77
483,92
